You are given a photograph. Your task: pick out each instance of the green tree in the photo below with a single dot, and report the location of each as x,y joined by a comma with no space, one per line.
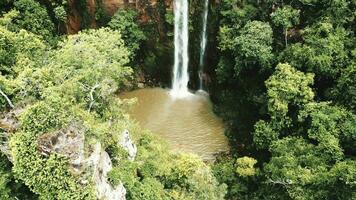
237,13
5,178
88,69
298,170
345,90
323,51
245,166
126,22
287,87
285,17
306,139
251,47
34,18
18,51
10,188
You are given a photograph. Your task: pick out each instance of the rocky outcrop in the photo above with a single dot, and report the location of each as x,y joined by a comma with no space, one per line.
111,6
101,164
9,123
128,145
73,23
69,142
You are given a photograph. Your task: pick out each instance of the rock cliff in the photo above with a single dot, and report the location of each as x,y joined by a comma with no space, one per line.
148,9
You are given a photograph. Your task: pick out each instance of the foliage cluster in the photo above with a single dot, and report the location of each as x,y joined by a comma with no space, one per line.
157,174
76,82
284,86
29,15
125,21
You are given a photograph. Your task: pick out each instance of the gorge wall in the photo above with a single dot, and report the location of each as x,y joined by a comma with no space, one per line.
156,18
87,12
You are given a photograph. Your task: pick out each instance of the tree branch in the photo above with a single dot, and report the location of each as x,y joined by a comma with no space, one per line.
280,182
286,37
91,96
7,99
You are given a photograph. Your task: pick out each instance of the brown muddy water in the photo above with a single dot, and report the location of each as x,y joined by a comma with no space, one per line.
188,124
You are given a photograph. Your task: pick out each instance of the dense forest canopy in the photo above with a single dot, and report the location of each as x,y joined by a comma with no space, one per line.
281,82
281,75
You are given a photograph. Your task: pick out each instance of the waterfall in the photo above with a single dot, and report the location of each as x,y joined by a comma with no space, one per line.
181,57
203,43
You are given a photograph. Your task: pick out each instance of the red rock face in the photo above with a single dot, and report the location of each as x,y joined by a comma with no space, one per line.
74,19
111,6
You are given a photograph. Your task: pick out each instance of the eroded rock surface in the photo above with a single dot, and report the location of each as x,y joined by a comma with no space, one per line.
101,164
128,145
69,142
9,123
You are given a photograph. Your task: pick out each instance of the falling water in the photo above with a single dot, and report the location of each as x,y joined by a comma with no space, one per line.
203,44
181,59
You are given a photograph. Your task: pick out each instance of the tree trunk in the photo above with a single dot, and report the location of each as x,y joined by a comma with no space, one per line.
286,37
7,99
92,96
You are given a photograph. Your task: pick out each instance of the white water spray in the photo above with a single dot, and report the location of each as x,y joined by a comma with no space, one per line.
203,43
181,57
